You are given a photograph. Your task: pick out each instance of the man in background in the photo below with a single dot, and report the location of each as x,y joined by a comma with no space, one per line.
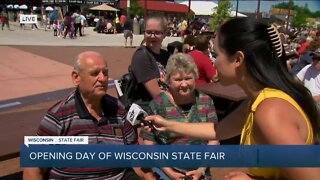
77,23
127,31
310,77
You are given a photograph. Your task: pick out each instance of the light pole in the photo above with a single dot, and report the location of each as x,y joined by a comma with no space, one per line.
189,9
288,19
128,6
258,10
145,8
237,8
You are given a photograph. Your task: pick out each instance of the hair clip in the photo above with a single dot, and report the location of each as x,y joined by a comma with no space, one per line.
275,39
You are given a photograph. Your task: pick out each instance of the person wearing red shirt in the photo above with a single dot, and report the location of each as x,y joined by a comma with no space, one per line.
303,45
122,19
207,71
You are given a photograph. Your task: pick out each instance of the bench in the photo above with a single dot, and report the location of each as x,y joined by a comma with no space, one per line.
15,124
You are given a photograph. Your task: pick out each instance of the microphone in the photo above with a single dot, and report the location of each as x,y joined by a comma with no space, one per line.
136,115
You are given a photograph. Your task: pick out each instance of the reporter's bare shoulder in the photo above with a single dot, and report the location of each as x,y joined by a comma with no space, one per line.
276,121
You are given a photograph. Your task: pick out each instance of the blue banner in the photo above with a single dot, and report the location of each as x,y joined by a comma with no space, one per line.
187,156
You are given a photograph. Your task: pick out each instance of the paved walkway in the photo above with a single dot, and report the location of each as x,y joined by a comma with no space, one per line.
40,37
21,69
24,74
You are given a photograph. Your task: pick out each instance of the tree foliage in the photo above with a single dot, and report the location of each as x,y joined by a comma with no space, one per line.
135,8
221,13
302,13
300,19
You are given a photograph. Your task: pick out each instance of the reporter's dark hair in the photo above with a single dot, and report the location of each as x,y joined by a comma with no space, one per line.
251,37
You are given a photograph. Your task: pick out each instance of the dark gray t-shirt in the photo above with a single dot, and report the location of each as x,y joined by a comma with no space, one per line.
304,59
144,67
128,24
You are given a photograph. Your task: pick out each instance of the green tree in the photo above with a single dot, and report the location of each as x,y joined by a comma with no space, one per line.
285,5
300,18
135,8
221,13
302,13
316,14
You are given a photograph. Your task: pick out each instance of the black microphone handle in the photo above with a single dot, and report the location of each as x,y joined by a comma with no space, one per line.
161,139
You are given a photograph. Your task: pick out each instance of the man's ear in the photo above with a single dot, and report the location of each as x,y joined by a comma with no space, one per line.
75,78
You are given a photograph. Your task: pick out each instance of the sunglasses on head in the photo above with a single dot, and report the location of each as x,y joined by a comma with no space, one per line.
156,33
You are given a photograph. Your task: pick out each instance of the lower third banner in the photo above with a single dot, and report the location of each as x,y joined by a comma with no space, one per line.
168,156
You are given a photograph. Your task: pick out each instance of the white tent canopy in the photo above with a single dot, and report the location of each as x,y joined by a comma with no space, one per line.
49,8
233,14
205,8
10,6
104,7
23,7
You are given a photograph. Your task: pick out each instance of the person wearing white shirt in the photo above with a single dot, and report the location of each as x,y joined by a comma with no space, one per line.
310,76
77,23
83,23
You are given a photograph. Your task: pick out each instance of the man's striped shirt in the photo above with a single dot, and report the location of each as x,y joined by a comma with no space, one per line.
70,117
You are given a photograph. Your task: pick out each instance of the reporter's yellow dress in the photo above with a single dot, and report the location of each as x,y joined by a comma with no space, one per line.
248,139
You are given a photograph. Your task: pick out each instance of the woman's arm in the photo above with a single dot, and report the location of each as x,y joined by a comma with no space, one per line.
152,87
148,74
187,129
227,128
232,124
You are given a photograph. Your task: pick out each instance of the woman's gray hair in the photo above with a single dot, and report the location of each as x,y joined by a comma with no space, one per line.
180,62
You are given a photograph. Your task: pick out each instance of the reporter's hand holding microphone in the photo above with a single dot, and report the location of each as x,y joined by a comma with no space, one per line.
136,116
159,123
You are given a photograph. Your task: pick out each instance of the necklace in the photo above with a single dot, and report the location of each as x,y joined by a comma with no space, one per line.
183,109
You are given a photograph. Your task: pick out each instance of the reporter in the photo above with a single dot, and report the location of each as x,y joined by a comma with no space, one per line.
281,111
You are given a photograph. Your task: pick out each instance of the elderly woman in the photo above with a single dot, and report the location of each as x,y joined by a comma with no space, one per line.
182,103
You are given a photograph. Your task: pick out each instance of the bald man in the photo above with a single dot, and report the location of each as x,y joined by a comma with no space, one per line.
87,111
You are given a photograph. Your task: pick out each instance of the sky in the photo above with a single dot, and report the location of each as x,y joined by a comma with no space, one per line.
251,5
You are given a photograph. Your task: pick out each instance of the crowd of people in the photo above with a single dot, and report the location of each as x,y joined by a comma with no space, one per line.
302,47
279,110
72,25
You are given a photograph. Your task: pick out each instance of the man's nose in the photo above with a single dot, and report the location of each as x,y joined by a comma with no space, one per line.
102,77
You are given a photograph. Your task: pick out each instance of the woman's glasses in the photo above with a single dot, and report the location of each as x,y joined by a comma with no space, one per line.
156,33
